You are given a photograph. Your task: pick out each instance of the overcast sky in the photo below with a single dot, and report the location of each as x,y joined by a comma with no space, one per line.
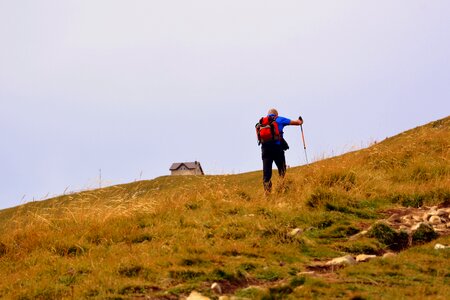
129,87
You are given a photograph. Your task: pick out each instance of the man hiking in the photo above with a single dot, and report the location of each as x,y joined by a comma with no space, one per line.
270,135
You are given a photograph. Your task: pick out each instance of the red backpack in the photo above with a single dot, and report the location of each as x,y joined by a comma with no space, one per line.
267,130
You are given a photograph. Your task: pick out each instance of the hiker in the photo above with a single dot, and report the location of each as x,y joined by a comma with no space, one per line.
270,136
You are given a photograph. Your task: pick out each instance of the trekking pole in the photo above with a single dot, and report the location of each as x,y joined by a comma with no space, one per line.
304,144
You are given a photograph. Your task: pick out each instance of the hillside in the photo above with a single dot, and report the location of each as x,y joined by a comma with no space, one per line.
164,238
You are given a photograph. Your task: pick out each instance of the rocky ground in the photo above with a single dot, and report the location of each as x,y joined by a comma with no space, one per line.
407,226
410,219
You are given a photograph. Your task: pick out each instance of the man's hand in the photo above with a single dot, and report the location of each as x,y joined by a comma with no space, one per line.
297,122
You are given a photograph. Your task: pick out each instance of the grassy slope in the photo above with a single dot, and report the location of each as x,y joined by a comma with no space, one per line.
168,236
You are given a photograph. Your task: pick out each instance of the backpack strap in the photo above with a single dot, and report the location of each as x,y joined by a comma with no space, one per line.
272,119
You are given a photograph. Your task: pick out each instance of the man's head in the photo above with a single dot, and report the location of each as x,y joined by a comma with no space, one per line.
273,111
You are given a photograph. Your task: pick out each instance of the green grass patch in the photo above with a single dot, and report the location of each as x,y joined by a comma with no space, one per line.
392,239
186,274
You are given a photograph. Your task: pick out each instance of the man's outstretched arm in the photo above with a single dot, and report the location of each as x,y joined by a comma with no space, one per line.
297,122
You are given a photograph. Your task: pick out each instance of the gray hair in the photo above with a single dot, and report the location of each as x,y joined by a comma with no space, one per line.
273,111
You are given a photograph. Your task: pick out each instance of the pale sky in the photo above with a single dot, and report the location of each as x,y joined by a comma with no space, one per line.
129,87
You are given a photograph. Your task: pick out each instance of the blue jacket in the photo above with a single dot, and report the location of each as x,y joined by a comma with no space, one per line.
281,121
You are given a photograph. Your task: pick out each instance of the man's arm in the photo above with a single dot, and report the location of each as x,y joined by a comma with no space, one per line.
297,122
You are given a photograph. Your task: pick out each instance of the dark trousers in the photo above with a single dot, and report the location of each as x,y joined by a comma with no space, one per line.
272,153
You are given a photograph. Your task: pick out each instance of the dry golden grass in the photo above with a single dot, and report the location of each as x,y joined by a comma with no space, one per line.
165,237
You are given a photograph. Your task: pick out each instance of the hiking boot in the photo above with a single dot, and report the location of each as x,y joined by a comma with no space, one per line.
267,187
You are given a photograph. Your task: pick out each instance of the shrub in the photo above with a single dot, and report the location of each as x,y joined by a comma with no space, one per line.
392,239
424,234
297,281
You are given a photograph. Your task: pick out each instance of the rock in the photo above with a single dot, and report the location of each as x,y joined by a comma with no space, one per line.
358,235
216,288
224,298
435,220
295,231
442,213
440,247
389,254
406,218
197,296
342,261
448,225
394,218
441,229
416,226
408,222
364,257
306,273
431,213
404,228
417,218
